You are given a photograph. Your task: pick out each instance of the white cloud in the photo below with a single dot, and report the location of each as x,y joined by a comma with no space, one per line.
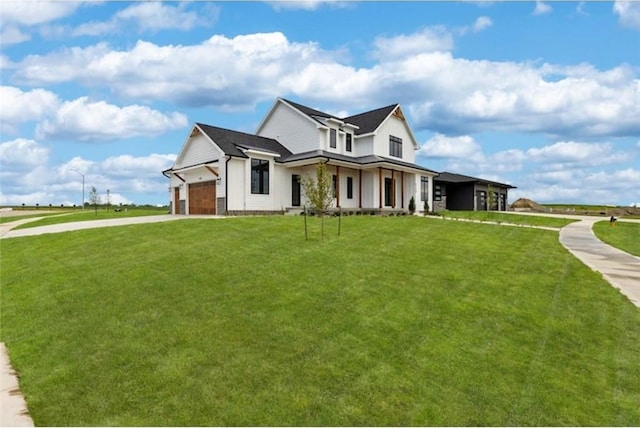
11,35
628,13
35,12
150,16
427,40
306,4
85,120
132,166
441,146
24,106
541,8
22,152
482,23
570,152
453,96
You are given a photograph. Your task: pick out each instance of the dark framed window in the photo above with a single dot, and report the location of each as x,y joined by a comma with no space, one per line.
395,146
335,185
349,187
348,142
424,188
332,138
259,177
437,192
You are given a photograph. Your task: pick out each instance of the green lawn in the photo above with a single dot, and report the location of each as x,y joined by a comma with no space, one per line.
10,219
624,235
493,216
91,214
398,321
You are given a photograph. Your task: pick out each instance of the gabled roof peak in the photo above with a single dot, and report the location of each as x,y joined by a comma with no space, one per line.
365,122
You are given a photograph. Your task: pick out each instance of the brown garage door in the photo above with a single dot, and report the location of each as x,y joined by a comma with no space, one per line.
202,198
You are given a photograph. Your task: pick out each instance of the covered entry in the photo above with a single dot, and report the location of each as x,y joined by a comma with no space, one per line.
202,198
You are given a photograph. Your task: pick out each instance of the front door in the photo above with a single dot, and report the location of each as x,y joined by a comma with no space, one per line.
388,192
295,190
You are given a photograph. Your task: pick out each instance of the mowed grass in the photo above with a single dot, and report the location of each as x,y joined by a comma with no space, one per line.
624,235
91,214
500,217
240,321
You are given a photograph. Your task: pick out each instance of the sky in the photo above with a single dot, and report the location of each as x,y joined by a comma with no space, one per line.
544,96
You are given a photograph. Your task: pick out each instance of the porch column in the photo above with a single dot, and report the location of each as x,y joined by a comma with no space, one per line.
360,189
380,187
402,189
337,186
430,196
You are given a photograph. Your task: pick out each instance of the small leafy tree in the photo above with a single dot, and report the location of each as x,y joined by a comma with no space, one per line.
94,199
491,197
319,191
426,208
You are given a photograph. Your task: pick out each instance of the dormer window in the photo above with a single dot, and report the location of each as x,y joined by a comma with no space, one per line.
395,146
348,142
332,139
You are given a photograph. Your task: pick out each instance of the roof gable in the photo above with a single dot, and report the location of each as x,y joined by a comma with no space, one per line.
369,121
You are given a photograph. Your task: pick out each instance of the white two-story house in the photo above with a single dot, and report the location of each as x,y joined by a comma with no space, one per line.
370,155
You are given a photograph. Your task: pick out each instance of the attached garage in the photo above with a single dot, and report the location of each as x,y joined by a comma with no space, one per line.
202,198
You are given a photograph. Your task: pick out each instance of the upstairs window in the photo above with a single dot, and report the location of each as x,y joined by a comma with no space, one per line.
395,146
348,143
332,139
259,177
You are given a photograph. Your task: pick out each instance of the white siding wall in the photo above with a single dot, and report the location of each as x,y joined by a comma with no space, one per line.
199,150
258,202
369,189
396,127
236,177
363,146
292,130
344,201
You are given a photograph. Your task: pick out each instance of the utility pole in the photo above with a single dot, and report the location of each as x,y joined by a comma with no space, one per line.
75,170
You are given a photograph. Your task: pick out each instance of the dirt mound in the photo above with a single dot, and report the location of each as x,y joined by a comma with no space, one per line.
526,204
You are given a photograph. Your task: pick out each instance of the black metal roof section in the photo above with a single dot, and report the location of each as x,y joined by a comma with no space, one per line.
361,160
370,120
449,177
231,142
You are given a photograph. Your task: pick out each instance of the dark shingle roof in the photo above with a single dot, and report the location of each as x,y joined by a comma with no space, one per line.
449,177
308,110
370,120
367,122
231,141
361,160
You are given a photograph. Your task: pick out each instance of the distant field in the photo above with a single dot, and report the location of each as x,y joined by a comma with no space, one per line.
399,321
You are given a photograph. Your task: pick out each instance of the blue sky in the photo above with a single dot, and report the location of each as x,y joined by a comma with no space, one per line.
542,95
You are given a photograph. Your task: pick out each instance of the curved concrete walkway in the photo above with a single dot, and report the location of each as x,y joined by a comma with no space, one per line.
620,269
